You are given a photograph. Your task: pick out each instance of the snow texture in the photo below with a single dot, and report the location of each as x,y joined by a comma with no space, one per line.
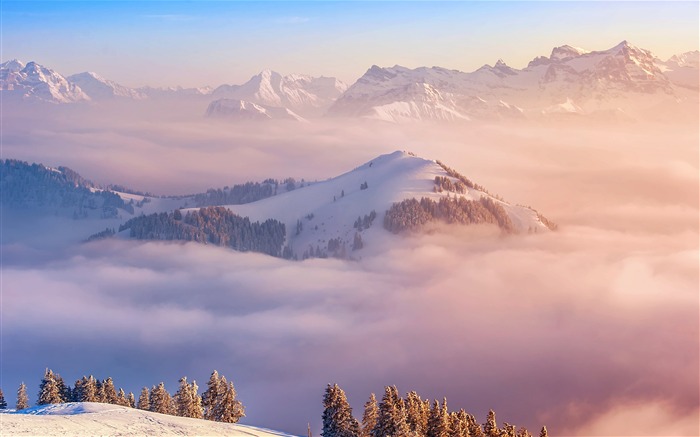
89,418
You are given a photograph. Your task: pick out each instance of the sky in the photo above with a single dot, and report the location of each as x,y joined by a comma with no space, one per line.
161,43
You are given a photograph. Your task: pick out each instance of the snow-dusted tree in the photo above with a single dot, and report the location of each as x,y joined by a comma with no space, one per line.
22,398
543,432
369,417
474,427
490,426
439,421
459,425
65,390
3,402
131,400
392,415
416,414
160,401
228,409
211,395
508,430
144,400
109,392
187,401
523,432
121,398
338,420
49,391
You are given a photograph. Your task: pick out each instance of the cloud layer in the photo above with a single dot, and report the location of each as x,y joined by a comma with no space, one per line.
592,330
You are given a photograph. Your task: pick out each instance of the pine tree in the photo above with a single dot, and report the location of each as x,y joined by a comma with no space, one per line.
438,421
144,400
490,426
85,390
121,398
49,391
474,427
109,392
22,398
508,430
369,417
416,414
523,432
543,433
187,401
3,403
211,395
459,425
228,409
160,401
392,415
338,420
130,400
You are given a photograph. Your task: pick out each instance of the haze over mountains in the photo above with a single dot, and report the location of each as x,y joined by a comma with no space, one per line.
623,82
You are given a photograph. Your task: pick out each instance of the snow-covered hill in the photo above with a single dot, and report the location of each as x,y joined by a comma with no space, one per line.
301,94
329,210
34,82
93,419
233,109
99,88
624,77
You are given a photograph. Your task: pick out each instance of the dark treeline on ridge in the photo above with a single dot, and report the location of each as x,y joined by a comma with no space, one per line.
214,225
411,214
411,416
25,185
218,402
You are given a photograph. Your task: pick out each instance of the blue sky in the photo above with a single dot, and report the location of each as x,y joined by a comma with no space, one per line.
199,43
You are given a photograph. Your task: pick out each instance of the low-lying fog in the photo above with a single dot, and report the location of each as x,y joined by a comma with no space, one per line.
592,330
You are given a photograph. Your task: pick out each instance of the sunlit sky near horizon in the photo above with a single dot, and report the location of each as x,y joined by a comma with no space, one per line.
161,43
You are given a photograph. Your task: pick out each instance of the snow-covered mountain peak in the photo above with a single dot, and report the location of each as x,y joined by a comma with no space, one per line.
12,66
99,88
565,52
687,59
297,92
34,82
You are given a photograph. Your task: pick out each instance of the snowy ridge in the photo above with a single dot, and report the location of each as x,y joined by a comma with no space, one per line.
89,418
299,93
329,209
234,109
623,77
34,82
99,88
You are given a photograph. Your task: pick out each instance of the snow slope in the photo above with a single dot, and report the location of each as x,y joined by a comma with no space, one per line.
94,419
329,209
99,88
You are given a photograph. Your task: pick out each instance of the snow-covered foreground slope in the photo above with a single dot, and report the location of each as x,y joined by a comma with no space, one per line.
327,210
93,419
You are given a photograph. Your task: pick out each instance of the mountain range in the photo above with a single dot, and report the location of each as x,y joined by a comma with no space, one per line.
624,81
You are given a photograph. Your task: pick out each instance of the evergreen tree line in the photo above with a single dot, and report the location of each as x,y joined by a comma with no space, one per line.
215,225
411,416
411,214
218,402
464,180
24,184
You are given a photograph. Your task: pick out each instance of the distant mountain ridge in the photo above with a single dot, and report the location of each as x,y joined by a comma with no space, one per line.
623,81
581,81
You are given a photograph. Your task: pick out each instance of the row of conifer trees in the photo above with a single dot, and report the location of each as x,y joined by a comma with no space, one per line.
218,402
411,416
